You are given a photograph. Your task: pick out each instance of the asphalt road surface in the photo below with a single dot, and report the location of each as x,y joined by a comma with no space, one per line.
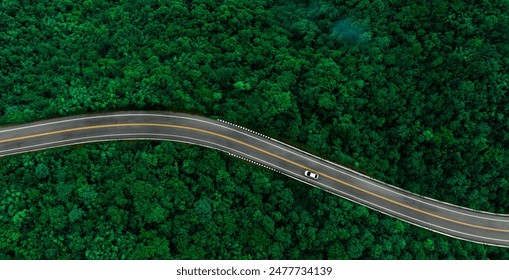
441,217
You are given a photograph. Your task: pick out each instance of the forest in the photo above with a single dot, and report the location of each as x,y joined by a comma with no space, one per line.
411,92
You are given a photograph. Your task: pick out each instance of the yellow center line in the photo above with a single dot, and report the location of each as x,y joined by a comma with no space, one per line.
260,150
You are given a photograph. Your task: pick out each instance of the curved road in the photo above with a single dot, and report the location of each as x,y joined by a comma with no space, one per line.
447,219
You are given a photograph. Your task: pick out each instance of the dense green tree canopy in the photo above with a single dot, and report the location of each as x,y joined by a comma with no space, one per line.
410,92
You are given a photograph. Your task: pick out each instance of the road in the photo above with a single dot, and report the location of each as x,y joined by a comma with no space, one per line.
441,217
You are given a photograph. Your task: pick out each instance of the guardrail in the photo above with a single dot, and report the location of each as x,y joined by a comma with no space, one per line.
355,172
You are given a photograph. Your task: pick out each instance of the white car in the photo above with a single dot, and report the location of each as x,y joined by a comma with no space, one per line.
311,174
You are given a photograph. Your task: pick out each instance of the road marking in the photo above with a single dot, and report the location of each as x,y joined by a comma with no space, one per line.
289,149
260,150
389,212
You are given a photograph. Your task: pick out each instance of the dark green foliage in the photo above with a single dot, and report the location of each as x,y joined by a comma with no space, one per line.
410,92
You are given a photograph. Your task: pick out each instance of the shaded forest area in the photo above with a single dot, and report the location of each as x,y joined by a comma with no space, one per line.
412,92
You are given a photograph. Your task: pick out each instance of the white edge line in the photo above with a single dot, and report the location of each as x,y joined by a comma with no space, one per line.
382,185
291,174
